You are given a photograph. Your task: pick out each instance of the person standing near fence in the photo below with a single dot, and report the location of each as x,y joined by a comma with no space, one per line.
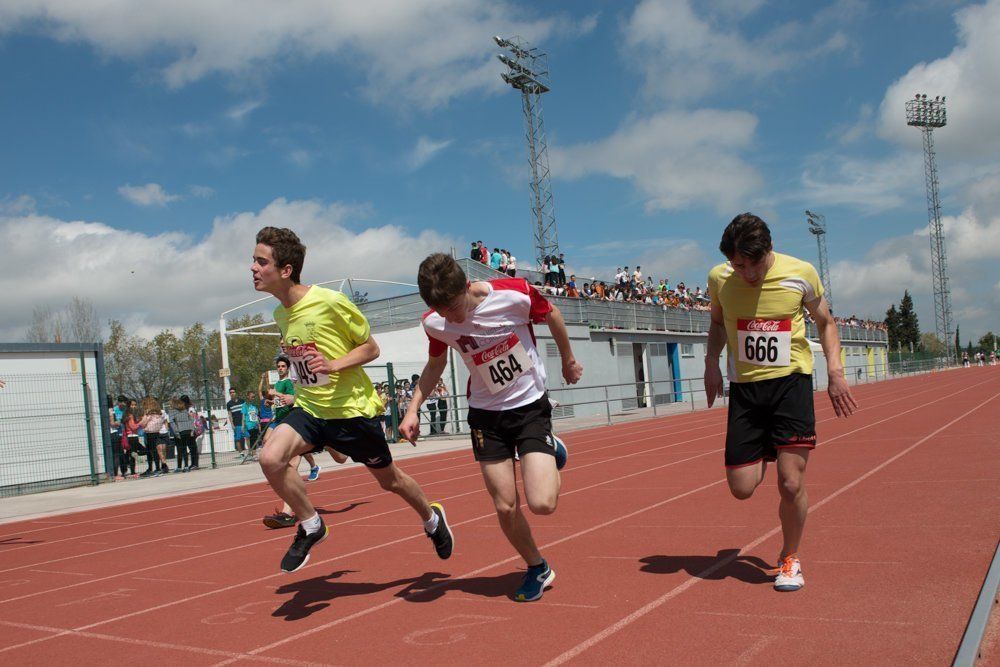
235,408
328,341
758,303
183,418
251,419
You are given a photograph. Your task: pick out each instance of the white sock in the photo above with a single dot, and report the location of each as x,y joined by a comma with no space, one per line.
311,525
432,523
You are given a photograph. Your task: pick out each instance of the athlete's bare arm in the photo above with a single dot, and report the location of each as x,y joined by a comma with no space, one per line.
716,341
572,370
367,352
410,426
840,393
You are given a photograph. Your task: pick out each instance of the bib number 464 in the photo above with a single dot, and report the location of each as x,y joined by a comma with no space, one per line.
505,370
760,348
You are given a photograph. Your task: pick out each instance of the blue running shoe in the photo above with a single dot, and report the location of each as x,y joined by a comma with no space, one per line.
561,452
536,580
313,474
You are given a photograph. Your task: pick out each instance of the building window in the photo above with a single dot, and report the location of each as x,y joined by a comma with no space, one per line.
687,349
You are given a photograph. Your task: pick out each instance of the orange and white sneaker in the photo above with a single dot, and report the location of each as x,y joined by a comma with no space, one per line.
789,576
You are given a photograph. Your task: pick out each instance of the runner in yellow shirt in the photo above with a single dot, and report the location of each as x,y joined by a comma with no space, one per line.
757,313
327,341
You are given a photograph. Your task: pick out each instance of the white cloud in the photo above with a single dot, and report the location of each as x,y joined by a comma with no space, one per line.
201,191
969,77
687,55
150,194
173,279
869,185
300,157
239,112
424,151
675,159
972,241
412,52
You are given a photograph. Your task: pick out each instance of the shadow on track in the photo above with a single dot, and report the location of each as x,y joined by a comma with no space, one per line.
750,569
313,595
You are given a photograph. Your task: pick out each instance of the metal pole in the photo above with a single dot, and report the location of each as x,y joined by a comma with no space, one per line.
454,390
88,419
691,394
224,347
607,404
208,405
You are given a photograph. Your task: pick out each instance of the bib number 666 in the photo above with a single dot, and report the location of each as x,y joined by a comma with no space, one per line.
503,370
760,348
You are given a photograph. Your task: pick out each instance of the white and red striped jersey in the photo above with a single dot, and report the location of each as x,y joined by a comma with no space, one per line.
497,343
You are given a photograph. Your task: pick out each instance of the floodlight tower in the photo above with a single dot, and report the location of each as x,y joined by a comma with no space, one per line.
927,115
817,227
527,71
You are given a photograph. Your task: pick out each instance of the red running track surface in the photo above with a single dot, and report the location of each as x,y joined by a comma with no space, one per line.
656,562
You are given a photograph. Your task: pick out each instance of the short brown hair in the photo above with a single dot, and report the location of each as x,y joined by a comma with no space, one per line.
747,235
286,248
441,280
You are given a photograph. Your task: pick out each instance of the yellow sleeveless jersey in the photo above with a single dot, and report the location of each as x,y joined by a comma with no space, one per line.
765,326
327,321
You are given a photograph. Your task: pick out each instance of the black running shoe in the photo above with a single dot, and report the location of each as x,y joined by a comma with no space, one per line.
298,553
279,520
443,540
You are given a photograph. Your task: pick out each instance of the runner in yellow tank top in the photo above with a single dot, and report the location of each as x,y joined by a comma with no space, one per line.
758,301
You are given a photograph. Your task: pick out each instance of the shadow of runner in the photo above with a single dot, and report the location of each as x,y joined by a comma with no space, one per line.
434,585
750,569
320,510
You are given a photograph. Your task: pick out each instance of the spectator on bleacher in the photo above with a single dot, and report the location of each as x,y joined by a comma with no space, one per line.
561,264
637,276
484,254
512,265
504,258
475,255
495,259
251,419
571,289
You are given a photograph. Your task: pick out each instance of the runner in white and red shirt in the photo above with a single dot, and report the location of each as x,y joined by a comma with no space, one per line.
490,326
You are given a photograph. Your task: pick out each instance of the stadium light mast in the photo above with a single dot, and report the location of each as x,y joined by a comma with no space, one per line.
527,72
817,227
927,115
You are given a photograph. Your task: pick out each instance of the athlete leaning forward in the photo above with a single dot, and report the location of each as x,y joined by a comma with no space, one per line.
757,314
326,340
490,325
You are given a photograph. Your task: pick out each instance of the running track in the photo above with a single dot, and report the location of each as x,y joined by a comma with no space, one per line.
656,563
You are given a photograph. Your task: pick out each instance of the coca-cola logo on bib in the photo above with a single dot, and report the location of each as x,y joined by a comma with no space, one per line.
765,326
491,354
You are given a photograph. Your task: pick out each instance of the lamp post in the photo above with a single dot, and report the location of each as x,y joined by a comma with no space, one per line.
928,114
527,72
817,227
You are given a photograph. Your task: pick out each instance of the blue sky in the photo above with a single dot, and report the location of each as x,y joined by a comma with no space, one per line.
144,143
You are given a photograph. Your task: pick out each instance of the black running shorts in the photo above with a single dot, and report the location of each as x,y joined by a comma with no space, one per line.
361,438
769,415
497,434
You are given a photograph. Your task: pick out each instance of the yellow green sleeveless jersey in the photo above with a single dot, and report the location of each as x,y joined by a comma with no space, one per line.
327,321
765,326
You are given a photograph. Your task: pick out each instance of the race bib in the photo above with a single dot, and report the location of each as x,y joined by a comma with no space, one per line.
301,375
501,365
764,342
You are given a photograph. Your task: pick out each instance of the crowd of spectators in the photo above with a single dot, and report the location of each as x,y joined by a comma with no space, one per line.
144,430
499,260
857,323
626,287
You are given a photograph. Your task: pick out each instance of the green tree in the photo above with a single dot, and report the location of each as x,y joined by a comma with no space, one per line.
122,355
932,344
892,326
958,344
988,342
249,356
909,329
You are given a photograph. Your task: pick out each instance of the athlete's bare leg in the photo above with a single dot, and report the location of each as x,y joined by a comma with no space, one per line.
743,481
501,483
794,503
541,482
310,459
283,446
391,478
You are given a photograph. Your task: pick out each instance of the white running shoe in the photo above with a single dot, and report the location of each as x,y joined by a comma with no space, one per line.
789,575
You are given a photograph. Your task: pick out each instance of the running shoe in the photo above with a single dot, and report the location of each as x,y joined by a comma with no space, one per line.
313,474
789,575
536,580
562,454
444,541
279,520
298,553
